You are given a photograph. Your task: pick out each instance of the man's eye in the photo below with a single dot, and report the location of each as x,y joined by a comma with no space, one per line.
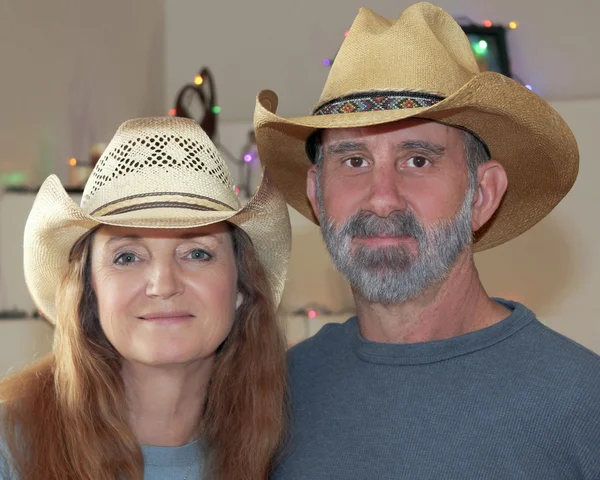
418,162
356,162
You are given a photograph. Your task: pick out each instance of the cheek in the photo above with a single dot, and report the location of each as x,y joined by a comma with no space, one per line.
214,300
435,200
115,295
341,197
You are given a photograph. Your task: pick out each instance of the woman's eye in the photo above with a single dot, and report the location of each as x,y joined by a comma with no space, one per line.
125,258
418,162
199,254
356,162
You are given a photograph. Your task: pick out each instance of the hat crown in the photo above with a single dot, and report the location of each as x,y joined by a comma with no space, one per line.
423,50
158,156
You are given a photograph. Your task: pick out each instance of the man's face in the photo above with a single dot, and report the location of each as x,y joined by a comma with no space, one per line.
394,205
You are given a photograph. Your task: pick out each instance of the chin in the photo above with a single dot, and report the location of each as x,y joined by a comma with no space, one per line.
167,355
163,360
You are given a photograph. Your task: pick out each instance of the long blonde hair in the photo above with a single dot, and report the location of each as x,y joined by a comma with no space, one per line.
65,416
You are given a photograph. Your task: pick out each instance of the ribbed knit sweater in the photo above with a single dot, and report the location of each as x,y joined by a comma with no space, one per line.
513,401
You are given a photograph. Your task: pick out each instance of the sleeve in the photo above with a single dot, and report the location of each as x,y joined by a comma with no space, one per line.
589,442
584,433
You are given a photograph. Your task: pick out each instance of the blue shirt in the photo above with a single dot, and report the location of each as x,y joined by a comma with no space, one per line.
513,401
160,463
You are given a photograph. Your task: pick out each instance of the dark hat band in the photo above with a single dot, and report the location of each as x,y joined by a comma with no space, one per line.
160,200
377,101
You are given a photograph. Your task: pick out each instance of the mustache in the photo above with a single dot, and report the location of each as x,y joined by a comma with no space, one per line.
396,224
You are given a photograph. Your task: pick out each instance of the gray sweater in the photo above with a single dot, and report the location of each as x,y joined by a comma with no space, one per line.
513,401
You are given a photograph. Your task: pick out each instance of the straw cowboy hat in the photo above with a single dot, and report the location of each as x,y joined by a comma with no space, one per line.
422,65
155,173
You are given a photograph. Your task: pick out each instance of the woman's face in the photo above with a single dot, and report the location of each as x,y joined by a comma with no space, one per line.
165,296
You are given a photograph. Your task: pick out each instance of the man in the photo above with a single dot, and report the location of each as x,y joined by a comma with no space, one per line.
419,160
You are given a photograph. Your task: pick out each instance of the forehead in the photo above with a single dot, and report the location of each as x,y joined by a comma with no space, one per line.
396,132
216,230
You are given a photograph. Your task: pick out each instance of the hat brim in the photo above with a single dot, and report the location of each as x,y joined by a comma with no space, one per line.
56,223
522,131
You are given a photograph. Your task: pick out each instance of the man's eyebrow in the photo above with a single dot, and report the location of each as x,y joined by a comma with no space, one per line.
422,145
345,146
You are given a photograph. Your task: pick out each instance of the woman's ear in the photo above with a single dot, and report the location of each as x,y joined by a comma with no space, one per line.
239,299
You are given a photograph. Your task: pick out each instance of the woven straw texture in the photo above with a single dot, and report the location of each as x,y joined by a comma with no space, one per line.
426,51
155,173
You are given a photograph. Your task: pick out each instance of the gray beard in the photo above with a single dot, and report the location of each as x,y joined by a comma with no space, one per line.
394,274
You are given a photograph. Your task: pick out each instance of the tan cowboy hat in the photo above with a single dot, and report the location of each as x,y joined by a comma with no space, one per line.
422,65
155,173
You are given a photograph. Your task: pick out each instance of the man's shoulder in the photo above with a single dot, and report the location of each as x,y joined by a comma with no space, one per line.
569,368
323,344
564,351
534,345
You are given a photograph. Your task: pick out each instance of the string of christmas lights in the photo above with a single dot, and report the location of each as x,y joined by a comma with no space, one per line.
200,94
198,101
481,47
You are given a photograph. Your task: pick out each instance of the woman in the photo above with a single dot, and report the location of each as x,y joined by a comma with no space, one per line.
168,362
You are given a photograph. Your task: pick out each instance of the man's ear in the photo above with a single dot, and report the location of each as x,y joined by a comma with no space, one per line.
311,189
491,187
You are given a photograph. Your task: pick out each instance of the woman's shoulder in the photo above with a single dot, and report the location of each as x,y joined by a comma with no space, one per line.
6,472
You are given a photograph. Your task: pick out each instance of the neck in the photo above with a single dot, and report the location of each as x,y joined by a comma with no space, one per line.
166,403
457,306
